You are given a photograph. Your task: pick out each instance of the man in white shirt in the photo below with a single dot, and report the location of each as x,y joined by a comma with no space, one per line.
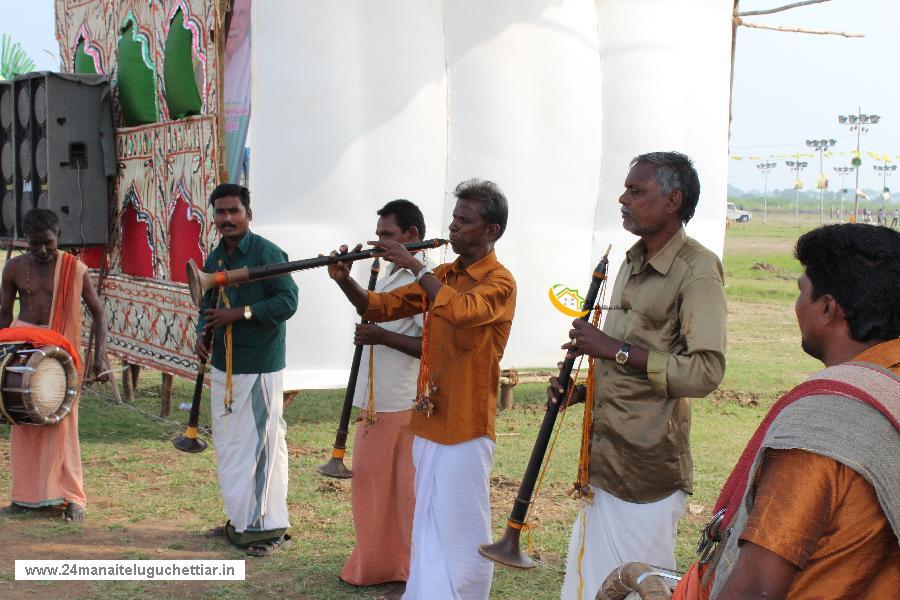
383,472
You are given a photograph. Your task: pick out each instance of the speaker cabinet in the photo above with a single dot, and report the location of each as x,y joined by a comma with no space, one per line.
7,159
63,154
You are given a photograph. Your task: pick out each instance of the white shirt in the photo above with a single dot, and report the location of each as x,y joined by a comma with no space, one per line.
395,373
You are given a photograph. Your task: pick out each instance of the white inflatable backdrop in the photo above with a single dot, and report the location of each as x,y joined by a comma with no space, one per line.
358,102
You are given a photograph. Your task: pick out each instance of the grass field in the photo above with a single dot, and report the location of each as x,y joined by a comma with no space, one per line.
147,500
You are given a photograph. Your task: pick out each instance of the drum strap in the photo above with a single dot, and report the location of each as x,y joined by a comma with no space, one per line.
3,363
63,297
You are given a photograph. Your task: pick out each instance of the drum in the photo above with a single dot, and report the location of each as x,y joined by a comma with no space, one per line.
38,384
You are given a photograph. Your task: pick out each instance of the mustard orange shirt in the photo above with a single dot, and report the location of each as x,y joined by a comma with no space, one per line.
824,518
467,329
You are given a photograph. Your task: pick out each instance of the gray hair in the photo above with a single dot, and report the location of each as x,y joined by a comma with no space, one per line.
675,171
493,206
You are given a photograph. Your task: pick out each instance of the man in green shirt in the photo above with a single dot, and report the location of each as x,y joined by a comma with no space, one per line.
662,343
248,353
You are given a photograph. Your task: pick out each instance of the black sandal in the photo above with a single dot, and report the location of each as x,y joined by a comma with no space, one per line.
269,548
74,513
17,509
215,532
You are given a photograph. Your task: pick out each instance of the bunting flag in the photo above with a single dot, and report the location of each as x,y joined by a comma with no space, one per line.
879,156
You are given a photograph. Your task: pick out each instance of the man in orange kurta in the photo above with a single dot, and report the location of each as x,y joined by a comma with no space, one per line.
469,306
46,460
812,509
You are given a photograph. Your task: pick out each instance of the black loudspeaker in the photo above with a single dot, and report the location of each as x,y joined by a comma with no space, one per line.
62,154
7,159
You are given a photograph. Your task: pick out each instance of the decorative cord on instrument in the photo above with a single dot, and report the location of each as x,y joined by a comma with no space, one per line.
580,488
229,346
371,416
423,402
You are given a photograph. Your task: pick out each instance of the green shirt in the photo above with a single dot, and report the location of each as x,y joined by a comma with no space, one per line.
258,344
673,305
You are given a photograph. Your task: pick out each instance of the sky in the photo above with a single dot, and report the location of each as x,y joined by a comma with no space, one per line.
788,87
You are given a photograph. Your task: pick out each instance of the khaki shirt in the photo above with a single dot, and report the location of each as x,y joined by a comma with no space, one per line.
673,306
467,329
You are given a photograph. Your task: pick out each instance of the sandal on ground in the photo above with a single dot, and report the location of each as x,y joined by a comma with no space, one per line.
16,509
215,532
74,513
269,548
395,593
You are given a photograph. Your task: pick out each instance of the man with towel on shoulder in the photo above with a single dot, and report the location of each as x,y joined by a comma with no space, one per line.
50,284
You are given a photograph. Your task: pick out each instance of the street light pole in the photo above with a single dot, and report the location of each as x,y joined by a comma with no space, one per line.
885,170
796,166
764,168
821,146
843,171
856,122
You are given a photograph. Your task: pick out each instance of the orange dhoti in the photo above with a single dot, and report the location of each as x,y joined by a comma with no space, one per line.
383,501
46,460
46,463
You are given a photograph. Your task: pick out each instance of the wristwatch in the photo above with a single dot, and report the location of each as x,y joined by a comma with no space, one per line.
622,354
422,273
248,313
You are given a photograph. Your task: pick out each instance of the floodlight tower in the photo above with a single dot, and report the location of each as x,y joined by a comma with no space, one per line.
843,172
764,168
796,166
885,170
857,123
821,146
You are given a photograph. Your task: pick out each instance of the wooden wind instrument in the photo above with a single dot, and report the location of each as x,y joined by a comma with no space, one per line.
506,551
200,282
188,441
335,465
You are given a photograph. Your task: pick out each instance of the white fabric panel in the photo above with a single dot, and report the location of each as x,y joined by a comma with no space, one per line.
356,103
349,112
666,69
524,108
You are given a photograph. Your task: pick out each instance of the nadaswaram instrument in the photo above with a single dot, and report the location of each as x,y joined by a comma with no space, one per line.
188,441
38,384
335,465
506,551
199,282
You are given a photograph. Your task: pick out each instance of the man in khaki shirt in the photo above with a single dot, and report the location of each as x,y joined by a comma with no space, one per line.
662,343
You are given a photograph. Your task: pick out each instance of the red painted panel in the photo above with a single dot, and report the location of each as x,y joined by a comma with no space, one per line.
184,239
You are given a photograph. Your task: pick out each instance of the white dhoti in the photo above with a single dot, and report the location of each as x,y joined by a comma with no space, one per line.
452,518
251,452
616,532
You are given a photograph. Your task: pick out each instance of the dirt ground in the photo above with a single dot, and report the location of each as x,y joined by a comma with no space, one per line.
758,245
44,537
